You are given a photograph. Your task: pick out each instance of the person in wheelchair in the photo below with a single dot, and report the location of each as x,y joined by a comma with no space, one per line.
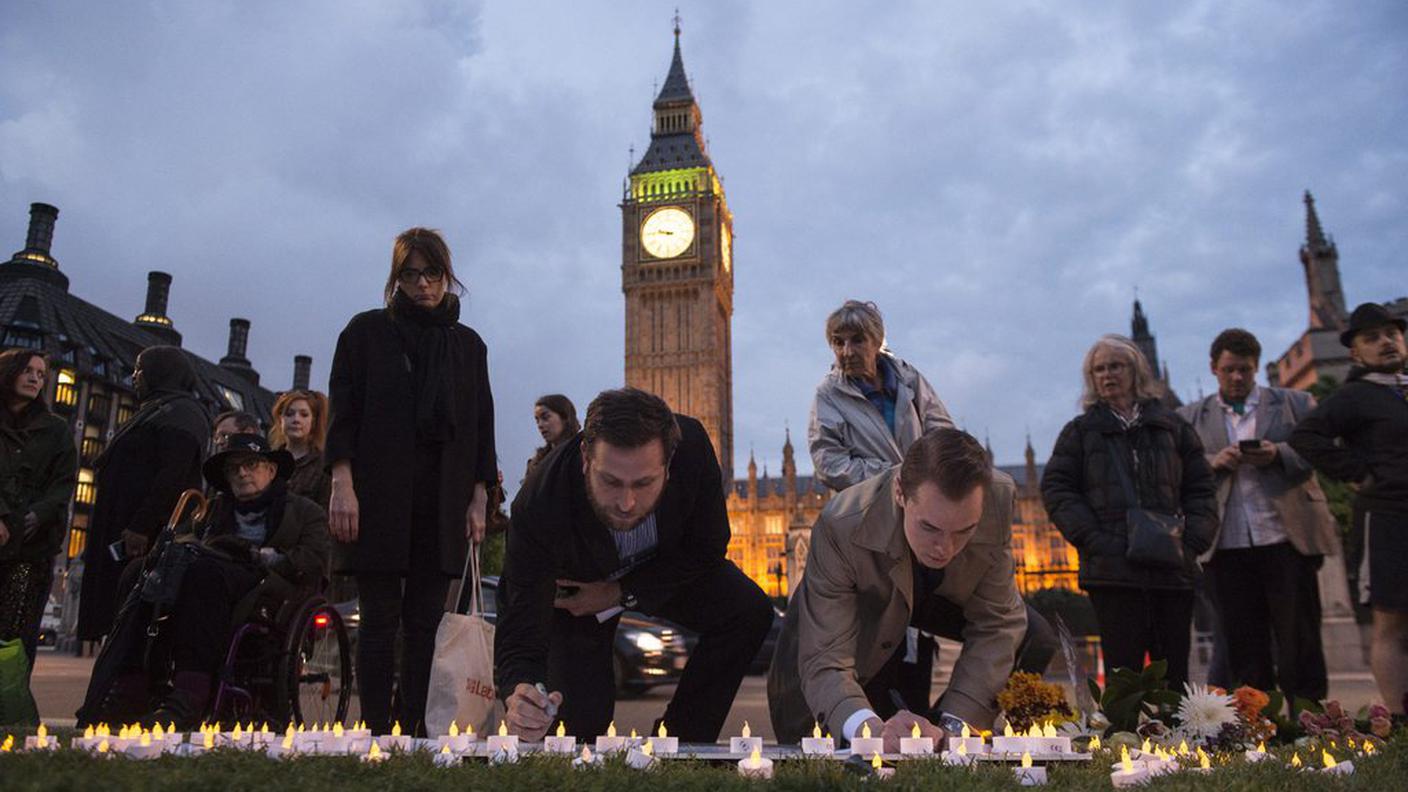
260,547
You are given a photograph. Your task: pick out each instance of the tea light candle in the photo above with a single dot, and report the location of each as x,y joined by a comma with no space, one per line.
281,749
865,745
445,757
41,741
395,741
373,754
1051,742
236,738
1333,767
202,744
878,768
959,756
1258,755
143,747
1028,775
1129,773
335,742
817,745
916,745
561,743
974,745
663,743
640,758
609,742
746,743
1204,762
585,759
456,741
755,766
503,743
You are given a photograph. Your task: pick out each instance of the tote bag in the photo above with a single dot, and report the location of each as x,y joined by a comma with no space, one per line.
462,673
16,704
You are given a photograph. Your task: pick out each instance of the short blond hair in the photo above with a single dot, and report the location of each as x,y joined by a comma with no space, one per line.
1146,385
857,316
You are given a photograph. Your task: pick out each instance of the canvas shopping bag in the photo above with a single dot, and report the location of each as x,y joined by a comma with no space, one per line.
16,704
462,673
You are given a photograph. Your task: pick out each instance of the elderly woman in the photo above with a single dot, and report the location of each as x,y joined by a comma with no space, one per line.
265,545
1126,441
871,406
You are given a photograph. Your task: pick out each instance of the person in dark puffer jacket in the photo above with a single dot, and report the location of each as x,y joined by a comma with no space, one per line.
1140,608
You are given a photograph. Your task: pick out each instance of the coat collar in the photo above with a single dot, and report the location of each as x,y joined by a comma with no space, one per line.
881,531
1151,413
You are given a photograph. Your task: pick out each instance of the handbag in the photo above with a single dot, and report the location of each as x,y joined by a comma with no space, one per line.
16,703
1153,538
461,689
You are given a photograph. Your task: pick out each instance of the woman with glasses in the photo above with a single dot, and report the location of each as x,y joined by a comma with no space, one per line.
38,463
411,451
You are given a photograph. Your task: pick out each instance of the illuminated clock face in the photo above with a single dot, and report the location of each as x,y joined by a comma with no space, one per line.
667,232
726,249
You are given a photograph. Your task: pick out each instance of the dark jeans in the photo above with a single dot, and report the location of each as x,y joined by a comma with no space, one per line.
1135,622
728,611
1269,600
24,591
413,606
912,682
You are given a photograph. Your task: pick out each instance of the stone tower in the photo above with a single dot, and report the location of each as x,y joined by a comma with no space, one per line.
677,268
1321,261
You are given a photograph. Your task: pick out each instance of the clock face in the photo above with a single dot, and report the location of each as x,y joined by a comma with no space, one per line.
667,232
726,248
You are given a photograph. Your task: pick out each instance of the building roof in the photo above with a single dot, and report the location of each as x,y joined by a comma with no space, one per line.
676,88
770,485
1019,475
675,149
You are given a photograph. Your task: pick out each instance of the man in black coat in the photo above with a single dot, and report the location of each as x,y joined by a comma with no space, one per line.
148,463
1359,434
629,516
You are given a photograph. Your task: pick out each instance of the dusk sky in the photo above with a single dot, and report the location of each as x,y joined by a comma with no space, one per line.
998,177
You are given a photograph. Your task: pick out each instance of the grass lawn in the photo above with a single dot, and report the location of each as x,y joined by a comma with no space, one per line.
220,770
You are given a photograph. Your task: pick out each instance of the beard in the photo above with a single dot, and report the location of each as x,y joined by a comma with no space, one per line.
610,517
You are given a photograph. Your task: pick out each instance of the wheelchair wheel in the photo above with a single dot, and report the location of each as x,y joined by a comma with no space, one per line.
313,683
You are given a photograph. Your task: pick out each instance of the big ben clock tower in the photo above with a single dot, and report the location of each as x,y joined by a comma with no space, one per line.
677,269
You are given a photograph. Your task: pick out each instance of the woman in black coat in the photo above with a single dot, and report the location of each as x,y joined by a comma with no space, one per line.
38,463
1141,608
151,460
411,450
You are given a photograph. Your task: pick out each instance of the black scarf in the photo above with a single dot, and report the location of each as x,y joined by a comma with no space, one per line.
426,336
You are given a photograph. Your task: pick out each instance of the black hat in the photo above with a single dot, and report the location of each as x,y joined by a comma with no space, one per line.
1367,317
240,445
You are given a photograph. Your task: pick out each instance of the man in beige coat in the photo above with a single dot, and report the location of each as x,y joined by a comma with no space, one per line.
928,544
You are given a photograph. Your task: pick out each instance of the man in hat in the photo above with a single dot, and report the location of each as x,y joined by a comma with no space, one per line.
1359,434
264,545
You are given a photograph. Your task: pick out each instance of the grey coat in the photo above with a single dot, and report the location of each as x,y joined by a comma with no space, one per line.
1288,482
847,436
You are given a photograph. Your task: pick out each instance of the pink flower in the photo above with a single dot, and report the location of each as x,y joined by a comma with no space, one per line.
1380,726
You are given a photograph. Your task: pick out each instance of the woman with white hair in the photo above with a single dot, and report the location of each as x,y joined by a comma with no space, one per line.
871,406
1129,486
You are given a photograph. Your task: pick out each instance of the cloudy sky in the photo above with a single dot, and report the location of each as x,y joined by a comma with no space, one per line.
999,177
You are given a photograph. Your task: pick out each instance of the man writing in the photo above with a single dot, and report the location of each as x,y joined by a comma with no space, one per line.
1359,434
925,544
1275,526
630,515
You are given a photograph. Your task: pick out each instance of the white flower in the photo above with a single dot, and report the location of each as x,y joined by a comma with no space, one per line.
1203,713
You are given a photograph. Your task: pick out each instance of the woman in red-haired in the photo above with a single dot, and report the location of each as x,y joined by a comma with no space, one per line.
300,426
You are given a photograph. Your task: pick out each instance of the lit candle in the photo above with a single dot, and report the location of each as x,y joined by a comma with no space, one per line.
1028,775
1333,767
336,742
373,754
1094,744
974,745
585,759
959,755
1051,742
503,744
746,743
143,747
755,766
445,757
41,741
817,745
865,745
916,745
1011,742
878,768
456,741
663,743
561,743
1258,755
640,758
1129,773
609,742
262,737
1204,762
281,749
395,741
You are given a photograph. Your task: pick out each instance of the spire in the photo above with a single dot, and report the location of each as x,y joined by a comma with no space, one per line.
752,478
675,137
1032,483
1314,235
676,87
1142,338
789,464
1320,260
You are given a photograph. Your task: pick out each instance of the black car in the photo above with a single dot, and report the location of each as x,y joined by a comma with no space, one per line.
648,651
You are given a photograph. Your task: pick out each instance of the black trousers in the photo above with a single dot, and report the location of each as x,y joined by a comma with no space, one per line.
1135,622
1269,601
728,611
910,684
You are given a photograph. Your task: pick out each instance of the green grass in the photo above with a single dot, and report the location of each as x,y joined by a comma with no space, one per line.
232,770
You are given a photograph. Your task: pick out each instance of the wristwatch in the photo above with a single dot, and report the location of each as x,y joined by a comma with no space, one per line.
628,600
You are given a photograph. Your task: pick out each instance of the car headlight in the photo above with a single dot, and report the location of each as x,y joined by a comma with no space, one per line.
648,642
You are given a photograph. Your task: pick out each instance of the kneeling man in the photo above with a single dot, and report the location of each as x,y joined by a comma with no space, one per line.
926,544
629,515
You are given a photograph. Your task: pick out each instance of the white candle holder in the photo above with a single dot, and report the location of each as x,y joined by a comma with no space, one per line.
975,745
744,745
638,759
867,746
446,757
499,744
400,743
963,759
1030,776
818,746
565,745
916,746
38,743
143,749
664,745
606,744
755,767
1137,774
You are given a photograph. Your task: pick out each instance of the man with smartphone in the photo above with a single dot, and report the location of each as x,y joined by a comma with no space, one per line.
1275,529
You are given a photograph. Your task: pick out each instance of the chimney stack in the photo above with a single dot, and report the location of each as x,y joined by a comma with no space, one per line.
302,367
235,359
35,260
154,319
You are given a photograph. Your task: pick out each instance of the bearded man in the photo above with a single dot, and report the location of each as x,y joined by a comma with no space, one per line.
629,515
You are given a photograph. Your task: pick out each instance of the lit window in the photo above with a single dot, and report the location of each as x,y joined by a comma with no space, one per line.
773,524
87,491
66,392
126,407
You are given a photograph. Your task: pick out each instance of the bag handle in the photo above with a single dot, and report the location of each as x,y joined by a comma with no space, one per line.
476,593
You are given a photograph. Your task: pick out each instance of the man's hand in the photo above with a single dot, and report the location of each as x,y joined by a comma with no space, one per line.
527,711
590,597
342,505
902,725
477,516
1264,455
1227,459
134,544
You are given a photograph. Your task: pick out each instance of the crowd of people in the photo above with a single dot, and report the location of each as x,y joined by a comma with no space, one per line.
381,489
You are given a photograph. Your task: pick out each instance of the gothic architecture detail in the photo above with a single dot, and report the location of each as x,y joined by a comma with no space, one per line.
677,268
